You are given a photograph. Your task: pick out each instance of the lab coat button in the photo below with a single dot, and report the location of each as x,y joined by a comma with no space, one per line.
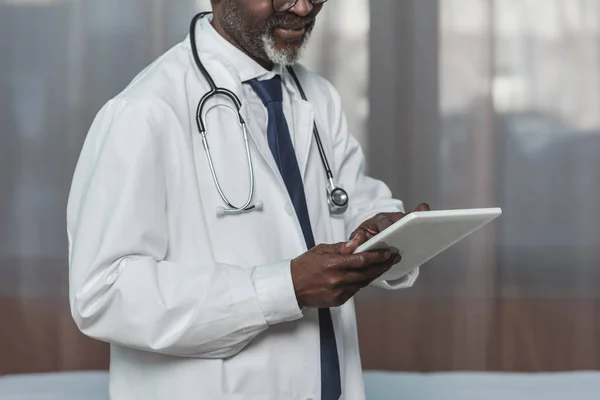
289,209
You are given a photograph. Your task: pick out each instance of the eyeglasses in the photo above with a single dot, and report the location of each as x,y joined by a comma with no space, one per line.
280,6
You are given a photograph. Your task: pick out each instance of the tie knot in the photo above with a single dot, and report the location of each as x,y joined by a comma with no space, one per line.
268,90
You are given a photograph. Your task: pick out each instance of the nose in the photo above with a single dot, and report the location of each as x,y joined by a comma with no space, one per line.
302,8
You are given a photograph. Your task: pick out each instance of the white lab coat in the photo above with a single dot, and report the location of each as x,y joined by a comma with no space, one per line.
193,305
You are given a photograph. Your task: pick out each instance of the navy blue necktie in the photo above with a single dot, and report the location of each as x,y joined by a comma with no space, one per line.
280,143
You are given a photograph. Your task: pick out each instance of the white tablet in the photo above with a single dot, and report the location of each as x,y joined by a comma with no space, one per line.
422,235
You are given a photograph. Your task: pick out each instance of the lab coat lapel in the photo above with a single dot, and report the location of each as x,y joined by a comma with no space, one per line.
261,143
232,81
303,131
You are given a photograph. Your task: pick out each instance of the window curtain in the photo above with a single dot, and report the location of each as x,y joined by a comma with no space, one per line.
503,99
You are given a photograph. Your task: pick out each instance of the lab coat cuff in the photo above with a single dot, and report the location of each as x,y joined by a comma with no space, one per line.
402,282
276,294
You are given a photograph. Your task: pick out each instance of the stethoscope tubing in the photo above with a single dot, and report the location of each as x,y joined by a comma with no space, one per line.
200,122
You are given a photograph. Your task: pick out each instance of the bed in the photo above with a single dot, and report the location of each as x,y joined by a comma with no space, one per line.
380,386
483,386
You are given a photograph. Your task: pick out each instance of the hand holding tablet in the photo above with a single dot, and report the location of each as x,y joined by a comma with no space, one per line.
422,235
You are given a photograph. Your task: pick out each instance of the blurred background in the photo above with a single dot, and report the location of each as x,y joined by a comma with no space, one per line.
460,103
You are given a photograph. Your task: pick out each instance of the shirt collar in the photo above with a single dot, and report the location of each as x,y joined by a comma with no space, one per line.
245,66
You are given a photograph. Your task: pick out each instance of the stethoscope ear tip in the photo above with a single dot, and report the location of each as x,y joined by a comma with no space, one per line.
259,205
220,212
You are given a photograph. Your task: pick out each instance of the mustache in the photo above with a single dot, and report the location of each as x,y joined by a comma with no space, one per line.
290,20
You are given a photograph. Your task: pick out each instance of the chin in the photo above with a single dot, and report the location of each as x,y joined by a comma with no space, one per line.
283,52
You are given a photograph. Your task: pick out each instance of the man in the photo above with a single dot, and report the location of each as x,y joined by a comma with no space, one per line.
201,305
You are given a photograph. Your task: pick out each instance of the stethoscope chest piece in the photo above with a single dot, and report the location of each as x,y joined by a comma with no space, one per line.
337,200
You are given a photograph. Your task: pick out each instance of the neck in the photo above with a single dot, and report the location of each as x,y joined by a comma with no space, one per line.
266,64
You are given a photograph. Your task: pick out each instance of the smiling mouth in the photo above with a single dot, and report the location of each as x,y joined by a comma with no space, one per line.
290,33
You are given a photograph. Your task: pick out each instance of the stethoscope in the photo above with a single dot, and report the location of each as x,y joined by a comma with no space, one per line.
337,198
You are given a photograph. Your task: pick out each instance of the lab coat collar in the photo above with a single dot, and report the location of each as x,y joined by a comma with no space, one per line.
215,49
232,67
246,68
217,52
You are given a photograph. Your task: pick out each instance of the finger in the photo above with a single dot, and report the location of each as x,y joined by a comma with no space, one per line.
359,238
369,227
366,276
375,271
423,207
345,249
340,248
362,260
353,235
386,220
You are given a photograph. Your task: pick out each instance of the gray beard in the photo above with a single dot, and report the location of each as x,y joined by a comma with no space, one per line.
283,57
258,42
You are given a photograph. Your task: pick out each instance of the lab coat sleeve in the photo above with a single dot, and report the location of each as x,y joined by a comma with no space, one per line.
368,196
122,290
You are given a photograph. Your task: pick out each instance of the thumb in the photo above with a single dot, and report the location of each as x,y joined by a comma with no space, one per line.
342,247
423,207
356,240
